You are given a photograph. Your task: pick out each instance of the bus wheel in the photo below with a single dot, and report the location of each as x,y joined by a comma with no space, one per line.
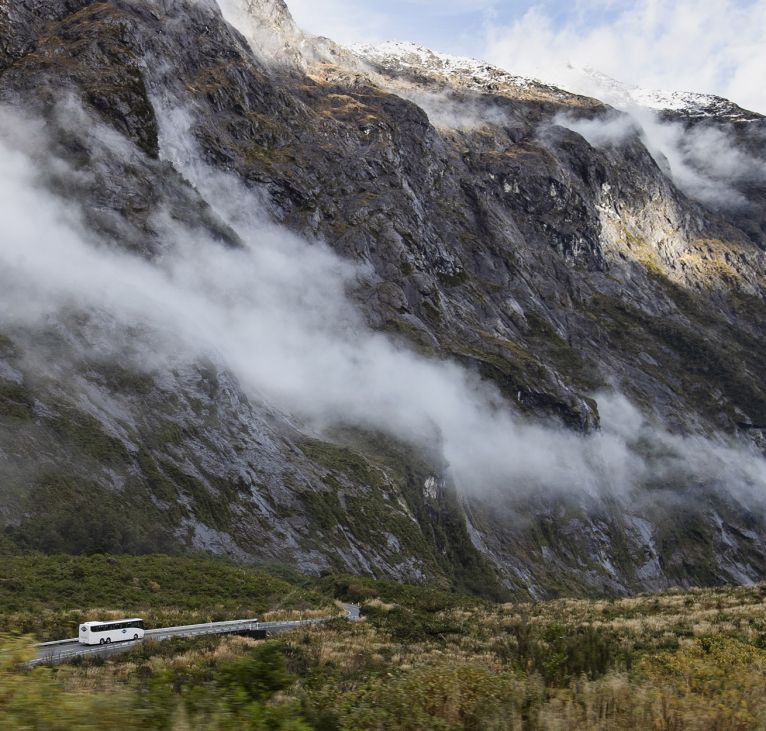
135,637
108,640
101,641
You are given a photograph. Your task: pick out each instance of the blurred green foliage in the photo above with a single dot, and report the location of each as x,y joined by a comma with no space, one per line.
237,697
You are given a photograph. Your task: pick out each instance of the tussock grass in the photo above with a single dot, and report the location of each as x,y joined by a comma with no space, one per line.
420,659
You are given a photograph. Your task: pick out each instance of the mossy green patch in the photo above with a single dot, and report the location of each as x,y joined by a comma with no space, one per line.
549,346
86,435
72,515
124,380
414,336
7,346
453,279
211,508
342,460
505,363
323,509
16,400
160,485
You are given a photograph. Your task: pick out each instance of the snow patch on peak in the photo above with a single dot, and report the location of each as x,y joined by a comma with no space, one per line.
406,56
672,100
691,104
403,57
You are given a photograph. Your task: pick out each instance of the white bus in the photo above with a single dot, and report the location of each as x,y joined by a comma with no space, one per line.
102,633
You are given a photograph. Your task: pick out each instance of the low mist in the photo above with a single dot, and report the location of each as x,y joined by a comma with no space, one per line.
703,161
276,313
446,112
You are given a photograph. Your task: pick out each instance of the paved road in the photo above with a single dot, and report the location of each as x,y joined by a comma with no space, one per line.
353,612
50,653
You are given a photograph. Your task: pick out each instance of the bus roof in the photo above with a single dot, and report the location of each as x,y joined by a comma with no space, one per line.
113,621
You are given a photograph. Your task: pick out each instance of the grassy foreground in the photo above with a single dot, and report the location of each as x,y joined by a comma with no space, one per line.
420,659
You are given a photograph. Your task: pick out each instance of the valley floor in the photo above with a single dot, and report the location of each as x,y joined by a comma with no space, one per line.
420,659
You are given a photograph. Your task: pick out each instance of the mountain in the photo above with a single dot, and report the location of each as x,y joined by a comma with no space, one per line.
689,104
376,309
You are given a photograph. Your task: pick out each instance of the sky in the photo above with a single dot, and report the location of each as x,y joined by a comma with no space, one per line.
713,46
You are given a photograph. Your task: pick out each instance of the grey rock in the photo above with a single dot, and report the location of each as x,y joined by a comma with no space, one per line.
548,266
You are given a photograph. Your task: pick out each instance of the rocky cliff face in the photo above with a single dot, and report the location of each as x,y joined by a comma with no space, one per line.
502,232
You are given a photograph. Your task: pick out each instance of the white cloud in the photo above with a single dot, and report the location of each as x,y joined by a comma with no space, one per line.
447,113
454,7
704,162
612,129
713,47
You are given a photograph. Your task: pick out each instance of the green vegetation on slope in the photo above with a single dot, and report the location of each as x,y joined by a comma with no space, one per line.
49,596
